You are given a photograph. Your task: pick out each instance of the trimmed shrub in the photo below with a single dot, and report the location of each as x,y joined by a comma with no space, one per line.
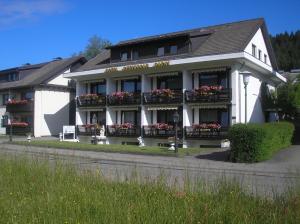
258,142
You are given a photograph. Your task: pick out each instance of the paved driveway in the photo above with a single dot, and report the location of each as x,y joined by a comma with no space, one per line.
276,175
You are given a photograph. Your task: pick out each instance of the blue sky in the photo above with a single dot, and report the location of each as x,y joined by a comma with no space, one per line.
39,30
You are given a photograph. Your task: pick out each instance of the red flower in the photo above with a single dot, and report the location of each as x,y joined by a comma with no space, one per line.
162,92
17,102
19,124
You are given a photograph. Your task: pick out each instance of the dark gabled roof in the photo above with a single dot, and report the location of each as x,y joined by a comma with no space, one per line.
211,40
39,73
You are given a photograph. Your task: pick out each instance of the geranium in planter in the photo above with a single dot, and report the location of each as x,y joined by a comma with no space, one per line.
162,126
121,95
17,102
163,93
89,96
207,126
19,124
208,90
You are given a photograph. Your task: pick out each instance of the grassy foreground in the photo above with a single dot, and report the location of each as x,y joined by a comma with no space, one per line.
112,148
34,192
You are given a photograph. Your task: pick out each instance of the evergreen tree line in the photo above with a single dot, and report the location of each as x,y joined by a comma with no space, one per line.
287,50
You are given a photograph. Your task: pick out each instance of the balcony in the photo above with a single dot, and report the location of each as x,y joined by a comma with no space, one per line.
161,131
124,98
15,106
19,128
87,130
91,100
205,131
123,130
207,95
163,96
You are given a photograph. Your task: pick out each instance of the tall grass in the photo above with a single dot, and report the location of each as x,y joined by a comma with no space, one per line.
38,192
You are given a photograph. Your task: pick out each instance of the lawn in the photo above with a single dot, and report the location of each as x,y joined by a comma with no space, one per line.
113,148
37,192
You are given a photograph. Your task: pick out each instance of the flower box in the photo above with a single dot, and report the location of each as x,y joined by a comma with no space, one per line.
163,93
208,90
17,102
19,124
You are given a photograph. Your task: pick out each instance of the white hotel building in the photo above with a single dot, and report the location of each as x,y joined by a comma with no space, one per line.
135,86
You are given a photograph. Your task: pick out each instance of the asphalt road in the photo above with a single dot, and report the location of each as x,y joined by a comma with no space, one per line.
269,178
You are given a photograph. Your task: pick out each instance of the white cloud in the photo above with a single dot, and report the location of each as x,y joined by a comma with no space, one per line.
14,11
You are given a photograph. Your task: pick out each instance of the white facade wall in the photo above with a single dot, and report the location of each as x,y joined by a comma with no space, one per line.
51,112
259,42
60,80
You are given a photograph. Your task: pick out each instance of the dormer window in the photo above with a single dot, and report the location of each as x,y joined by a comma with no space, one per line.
124,56
160,51
135,55
13,77
173,49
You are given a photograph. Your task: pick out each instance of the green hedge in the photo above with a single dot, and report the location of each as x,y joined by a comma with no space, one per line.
258,142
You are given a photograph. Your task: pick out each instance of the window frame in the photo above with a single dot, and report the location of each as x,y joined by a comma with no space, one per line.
254,48
163,53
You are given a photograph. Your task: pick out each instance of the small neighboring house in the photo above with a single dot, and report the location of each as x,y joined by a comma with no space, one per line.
37,97
135,87
293,76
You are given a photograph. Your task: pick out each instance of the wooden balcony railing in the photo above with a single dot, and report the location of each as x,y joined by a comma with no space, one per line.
124,99
204,133
99,100
192,96
119,131
154,132
20,106
173,97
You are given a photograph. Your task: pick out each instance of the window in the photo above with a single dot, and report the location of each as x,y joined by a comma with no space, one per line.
135,55
98,88
160,51
206,116
254,50
173,49
27,96
5,98
265,58
259,54
166,116
101,117
214,78
124,56
13,77
220,116
131,85
133,117
169,82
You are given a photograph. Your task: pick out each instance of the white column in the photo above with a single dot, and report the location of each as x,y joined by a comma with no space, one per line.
235,93
110,114
187,110
145,87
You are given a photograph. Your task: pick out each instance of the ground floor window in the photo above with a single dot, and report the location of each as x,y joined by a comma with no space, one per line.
166,116
214,115
101,117
132,117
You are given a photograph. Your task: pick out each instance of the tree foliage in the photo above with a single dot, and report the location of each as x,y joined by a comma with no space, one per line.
288,99
95,45
287,50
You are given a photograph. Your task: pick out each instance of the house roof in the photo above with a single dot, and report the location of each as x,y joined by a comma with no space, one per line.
39,73
212,40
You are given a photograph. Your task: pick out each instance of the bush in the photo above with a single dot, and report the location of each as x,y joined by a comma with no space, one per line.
258,142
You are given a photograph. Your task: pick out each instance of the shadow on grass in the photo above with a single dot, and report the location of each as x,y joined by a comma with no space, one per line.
216,156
